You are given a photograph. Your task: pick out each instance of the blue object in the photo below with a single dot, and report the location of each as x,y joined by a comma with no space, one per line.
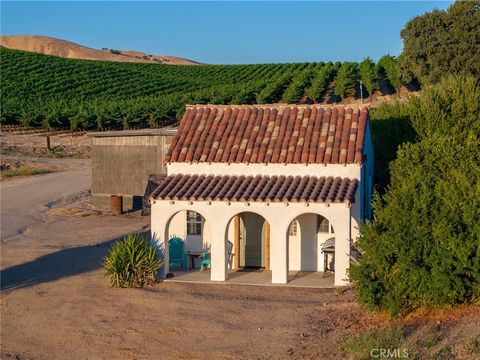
207,257
175,250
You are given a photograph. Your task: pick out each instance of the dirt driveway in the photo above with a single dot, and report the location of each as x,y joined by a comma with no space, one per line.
26,200
55,303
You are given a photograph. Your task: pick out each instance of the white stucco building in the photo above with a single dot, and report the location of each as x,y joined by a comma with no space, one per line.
276,181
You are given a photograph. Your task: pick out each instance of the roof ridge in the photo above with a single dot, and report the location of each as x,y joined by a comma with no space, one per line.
280,105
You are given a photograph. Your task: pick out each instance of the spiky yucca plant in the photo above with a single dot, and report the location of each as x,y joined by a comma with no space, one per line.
132,262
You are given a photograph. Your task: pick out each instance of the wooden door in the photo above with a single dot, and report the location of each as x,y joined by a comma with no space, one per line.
236,242
267,246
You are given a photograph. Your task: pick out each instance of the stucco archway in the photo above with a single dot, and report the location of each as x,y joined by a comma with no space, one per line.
306,235
192,227
249,234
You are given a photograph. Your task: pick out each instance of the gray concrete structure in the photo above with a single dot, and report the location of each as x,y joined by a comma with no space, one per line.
122,162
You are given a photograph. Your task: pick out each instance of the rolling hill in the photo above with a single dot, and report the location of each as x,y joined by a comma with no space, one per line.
66,49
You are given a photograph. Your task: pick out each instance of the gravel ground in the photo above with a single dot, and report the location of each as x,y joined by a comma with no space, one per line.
55,302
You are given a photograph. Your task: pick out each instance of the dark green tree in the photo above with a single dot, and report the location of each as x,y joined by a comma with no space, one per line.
443,42
368,75
390,69
424,247
346,79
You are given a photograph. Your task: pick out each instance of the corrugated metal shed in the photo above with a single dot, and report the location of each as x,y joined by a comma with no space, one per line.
123,160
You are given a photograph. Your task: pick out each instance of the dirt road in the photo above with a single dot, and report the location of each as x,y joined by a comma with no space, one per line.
55,302
25,201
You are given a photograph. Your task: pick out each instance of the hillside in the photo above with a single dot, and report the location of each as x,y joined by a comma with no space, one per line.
66,49
57,92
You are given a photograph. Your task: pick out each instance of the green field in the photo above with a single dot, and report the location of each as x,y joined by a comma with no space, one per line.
40,90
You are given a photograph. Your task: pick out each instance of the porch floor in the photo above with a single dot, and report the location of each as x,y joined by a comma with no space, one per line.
258,277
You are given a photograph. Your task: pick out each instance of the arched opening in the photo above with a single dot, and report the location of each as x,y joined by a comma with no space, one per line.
192,229
249,233
309,243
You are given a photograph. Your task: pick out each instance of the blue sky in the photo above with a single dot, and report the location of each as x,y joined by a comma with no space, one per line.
224,32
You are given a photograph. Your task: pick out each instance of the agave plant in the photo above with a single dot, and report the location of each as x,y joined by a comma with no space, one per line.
132,262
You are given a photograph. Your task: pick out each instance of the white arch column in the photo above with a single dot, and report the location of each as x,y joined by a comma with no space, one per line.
279,252
160,214
343,240
219,220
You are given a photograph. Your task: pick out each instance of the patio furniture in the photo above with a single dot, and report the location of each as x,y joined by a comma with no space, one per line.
190,259
328,250
175,250
207,257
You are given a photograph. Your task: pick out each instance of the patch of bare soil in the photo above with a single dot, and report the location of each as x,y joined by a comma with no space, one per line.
376,99
56,304
35,144
73,211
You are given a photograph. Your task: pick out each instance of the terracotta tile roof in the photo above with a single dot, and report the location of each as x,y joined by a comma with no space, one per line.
270,134
258,188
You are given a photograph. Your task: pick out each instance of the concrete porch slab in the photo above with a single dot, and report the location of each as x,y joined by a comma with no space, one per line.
258,278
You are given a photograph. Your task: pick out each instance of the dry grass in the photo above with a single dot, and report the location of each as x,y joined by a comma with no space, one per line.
23,171
74,212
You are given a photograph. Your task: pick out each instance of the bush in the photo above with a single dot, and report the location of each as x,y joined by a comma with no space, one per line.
294,92
450,108
391,124
368,74
273,91
424,247
391,71
132,262
391,127
320,82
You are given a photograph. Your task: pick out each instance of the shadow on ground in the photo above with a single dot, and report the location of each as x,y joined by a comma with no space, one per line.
63,263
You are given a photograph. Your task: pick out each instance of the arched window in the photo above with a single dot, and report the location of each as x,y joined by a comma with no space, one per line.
323,225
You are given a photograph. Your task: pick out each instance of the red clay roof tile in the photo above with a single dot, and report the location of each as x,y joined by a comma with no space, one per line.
270,134
258,188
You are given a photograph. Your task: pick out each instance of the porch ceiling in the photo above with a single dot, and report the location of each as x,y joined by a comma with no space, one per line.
259,188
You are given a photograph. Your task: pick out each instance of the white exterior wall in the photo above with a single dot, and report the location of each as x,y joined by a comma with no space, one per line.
294,250
350,171
279,215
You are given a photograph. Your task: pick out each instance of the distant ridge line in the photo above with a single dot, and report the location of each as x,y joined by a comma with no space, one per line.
66,49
